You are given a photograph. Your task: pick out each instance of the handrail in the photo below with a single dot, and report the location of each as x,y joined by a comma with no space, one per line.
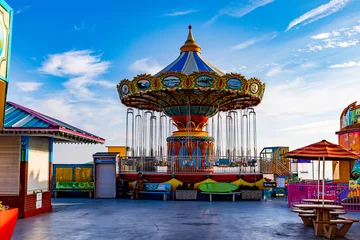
190,164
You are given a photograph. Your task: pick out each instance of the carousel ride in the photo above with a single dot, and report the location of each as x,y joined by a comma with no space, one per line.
196,98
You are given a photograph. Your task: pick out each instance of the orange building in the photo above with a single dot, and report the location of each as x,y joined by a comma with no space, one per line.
117,149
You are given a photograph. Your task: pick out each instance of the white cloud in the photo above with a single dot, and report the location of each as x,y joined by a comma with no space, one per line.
83,68
239,10
274,71
308,65
314,48
346,65
253,41
106,84
245,8
334,44
246,43
29,86
86,116
321,36
235,69
21,10
347,44
313,95
179,13
320,12
212,20
304,110
357,28
146,65
74,63
340,38
58,108
320,126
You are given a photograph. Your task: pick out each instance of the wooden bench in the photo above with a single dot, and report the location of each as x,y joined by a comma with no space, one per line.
338,212
343,232
335,214
350,219
297,210
156,188
308,218
331,230
74,187
218,193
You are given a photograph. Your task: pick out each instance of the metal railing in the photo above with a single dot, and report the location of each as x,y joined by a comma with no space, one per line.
282,169
191,164
339,192
271,166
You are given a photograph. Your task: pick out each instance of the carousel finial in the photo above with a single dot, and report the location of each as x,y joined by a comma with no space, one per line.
190,44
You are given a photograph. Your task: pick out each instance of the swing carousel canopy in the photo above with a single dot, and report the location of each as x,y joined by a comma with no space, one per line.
191,81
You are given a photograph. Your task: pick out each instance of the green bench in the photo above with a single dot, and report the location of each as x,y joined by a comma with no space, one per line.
219,188
74,187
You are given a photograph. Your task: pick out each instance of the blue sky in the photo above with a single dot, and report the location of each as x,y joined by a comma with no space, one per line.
68,56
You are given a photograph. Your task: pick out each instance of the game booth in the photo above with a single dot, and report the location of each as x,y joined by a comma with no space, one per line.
26,152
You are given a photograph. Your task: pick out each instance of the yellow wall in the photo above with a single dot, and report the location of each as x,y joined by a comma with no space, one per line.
2,102
342,171
117,149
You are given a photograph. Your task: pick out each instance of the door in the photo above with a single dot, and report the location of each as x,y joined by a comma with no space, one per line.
9,165
105,185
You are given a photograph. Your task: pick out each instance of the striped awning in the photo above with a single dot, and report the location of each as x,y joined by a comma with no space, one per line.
20,120
328,150
189,62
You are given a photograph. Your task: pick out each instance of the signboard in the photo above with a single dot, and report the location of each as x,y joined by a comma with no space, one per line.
104,160
38,204
6,14
270,184
280,182
171,81
254,88
38,200
353,184
301,161
224,161
234,83
38,196
143,84
204,81
125,89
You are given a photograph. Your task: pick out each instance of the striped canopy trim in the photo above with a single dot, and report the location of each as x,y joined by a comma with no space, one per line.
322,149
189,62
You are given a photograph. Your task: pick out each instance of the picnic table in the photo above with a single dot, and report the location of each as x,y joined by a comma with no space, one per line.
322,215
